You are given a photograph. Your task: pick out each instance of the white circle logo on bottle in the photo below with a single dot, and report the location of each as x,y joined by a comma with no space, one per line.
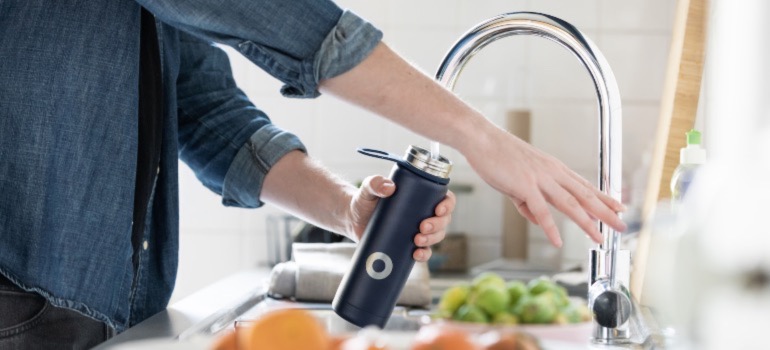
370,265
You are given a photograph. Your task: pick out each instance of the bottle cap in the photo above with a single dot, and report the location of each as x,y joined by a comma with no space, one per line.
421,159
693,137
693,153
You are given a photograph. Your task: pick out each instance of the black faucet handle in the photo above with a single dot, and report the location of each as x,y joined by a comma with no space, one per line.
611,309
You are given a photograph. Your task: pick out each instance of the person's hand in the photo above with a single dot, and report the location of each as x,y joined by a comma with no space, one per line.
388,85
432,230
532,179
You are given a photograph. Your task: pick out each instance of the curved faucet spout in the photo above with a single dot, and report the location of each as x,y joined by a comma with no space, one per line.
569,37
611,323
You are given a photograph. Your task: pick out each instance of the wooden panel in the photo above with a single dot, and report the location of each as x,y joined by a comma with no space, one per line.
679,105
515,242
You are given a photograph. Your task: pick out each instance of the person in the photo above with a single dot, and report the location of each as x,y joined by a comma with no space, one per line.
99,100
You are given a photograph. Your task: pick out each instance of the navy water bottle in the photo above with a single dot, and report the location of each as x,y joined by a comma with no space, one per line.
383,261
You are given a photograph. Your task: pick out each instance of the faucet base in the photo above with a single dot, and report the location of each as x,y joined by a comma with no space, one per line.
598,268
612,331
636,333
610,336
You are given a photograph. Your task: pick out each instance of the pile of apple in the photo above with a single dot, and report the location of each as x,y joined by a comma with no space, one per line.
490,299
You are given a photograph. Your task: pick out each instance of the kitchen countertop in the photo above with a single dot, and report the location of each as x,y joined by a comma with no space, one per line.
194,320
190,314
216,307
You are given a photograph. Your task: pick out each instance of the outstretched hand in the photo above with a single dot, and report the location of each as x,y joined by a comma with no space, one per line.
389,86
432,230
532,179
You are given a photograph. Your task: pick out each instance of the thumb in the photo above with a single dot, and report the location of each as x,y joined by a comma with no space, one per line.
375,187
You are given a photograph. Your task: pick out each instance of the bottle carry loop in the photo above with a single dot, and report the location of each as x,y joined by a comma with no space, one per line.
403,163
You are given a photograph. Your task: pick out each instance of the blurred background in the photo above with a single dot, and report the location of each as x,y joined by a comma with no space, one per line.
518,75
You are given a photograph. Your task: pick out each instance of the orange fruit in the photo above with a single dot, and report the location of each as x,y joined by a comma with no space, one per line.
286,329
226,341
336,341
362,342
494,340
443,338
358,344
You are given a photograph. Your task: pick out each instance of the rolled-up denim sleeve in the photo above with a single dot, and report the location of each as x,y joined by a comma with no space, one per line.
244,178
229,143
299,42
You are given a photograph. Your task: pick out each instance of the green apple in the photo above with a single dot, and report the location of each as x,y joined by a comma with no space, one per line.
505,318
516,290
491,298
453,298
487,278
470,313
540,285
537,309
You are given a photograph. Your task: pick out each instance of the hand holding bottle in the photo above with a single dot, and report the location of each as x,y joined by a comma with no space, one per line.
432,230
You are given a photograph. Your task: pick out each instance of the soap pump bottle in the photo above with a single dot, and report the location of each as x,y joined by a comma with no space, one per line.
690,158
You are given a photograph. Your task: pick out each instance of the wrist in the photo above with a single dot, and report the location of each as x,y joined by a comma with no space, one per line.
478,138
347,214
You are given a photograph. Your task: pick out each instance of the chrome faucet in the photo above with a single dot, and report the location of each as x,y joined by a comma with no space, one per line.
608,295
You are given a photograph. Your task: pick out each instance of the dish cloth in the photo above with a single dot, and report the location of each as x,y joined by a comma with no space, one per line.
317,269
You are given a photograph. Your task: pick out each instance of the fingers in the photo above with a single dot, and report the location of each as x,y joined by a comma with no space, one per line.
429,239
447,205
607,200
597,203
539,209
569,205
432,231
596,207
429,235
580,201
375,187
422,254
524,210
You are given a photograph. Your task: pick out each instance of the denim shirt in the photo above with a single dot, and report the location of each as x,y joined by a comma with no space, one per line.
68,132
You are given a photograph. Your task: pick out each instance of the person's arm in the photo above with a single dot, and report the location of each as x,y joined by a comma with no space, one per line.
305,42
389,86
301,186
299,42
223,137
236,151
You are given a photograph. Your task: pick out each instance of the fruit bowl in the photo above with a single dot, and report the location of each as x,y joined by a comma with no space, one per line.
539,307
575,333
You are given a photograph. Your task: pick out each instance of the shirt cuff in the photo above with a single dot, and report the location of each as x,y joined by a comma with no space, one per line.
346,45
243,181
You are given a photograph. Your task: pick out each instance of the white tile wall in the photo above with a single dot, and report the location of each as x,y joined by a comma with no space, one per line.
569,131
342,128
637,16
512,73
639,63
583,14
472,12
498,74
421,14
423,47
639,127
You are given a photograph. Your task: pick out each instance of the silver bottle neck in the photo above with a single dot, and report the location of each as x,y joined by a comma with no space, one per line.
421,159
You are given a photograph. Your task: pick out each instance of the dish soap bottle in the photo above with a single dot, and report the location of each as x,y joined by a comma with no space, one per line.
690,158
